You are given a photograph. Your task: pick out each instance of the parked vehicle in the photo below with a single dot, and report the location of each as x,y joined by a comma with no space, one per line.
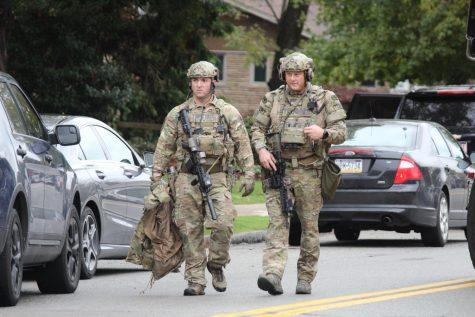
451,106
470,35
374,105
113,181
398,175
39,221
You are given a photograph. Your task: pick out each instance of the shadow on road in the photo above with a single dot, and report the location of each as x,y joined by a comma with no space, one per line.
107,271
381,243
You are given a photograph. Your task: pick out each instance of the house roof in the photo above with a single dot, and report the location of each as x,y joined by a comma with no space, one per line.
261,9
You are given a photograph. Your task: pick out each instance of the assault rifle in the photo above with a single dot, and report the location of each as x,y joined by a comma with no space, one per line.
276,179
197,158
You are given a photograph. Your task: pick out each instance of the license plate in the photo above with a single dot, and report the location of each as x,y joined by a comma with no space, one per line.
352,166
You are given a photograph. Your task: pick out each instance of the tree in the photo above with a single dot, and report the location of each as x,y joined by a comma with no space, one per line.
392,40
111,59
289,30
5,19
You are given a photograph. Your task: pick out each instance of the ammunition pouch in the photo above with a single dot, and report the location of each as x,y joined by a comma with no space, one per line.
212,145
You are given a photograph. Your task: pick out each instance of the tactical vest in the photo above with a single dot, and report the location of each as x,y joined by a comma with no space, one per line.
291,120
211,130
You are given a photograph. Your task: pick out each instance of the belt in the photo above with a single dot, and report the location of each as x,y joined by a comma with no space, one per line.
217,168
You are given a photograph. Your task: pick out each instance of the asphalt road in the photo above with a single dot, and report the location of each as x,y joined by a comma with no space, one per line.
382,274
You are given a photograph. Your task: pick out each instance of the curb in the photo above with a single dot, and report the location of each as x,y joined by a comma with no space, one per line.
249,237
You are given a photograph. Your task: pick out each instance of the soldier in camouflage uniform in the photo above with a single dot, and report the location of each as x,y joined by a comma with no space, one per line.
221,134
309,119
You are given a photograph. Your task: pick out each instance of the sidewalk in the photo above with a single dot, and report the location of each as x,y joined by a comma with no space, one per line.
251,210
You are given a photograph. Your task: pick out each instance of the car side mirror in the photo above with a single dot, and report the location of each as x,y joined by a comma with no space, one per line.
66,135
472,157
148,159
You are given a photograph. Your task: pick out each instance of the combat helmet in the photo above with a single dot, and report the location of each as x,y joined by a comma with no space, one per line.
296,62
203,69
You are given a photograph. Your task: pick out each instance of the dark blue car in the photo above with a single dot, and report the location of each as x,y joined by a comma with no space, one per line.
39,221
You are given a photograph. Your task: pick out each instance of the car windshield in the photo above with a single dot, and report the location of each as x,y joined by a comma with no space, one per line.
458,111
387,135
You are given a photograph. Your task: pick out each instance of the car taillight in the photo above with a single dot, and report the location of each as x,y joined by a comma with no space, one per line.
455,92
407,171
470,172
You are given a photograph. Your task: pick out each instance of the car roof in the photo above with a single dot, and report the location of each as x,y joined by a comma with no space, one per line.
51,120
379,94
373,121
7,77
436,90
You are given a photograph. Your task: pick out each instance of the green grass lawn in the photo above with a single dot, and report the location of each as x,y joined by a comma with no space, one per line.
248,223
257,196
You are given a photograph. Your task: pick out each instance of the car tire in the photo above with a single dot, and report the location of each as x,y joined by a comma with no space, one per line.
295,231
346,234
61,276
438,235
90,246
11,263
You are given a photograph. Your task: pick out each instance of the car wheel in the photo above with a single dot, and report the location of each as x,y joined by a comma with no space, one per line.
438,235
11,264
346,234
295,231
89,254
62,275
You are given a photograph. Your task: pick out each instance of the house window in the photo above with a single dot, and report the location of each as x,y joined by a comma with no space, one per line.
220,65
260,73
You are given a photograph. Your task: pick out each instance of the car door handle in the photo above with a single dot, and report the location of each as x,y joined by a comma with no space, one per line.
100,174
20,151
128,174
48,158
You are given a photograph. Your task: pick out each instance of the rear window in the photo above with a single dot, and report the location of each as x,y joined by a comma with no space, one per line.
395,135
457,111
368,106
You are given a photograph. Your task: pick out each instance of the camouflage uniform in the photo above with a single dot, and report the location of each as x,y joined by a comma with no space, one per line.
286,111
221,133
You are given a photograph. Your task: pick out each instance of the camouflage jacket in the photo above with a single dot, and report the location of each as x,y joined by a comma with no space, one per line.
223,136
281,112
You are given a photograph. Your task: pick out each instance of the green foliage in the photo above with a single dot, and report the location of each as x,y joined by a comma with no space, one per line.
392,40
112,59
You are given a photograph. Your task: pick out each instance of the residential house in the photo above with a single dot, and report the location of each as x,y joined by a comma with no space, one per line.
241,83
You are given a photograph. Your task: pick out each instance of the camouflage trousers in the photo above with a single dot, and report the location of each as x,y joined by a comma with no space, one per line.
189,218
306,191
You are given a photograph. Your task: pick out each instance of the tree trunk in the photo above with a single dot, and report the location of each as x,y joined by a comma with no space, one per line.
6,18
289,33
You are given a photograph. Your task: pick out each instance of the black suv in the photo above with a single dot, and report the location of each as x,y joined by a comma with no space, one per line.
374,105
451,106
39,224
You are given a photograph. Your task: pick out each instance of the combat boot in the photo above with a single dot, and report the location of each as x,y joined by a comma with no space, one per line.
219,280
303,287
270,283
194,289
